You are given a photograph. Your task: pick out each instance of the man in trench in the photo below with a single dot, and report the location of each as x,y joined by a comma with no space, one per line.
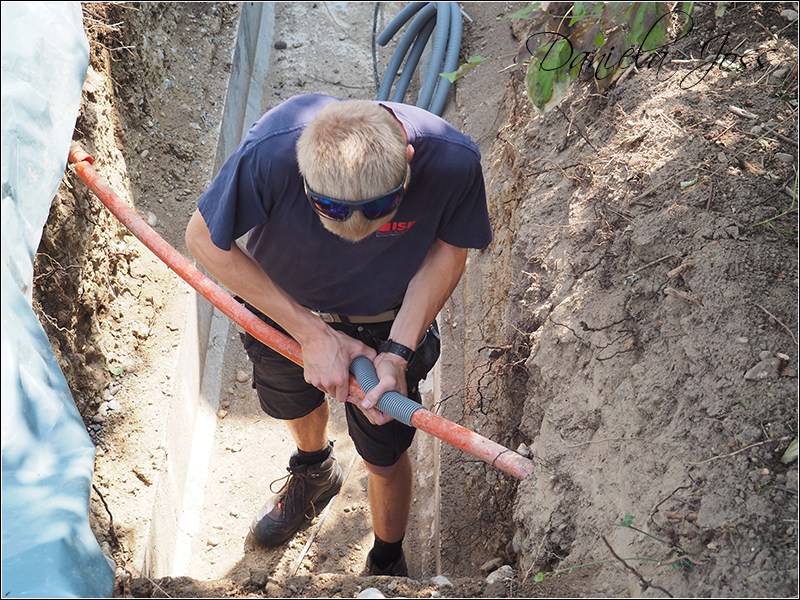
360,215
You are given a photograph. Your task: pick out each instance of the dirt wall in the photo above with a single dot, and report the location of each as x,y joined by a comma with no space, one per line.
649,314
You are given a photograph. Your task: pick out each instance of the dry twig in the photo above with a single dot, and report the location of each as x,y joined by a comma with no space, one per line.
713,458
645,584
778,321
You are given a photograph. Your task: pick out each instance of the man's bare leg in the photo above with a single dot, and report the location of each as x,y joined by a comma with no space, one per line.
390,492
310,433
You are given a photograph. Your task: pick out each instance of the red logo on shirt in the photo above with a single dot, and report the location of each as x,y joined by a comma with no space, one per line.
394,228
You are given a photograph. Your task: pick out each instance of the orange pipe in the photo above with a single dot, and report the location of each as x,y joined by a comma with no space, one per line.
488,451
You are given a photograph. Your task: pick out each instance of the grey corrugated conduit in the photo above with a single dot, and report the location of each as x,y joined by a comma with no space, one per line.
444,54
437,55
419,22
450,60
393,404
413,58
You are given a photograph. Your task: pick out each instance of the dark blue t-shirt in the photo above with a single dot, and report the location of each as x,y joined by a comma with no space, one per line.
260,190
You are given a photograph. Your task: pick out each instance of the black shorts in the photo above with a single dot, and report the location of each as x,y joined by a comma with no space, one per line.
284,394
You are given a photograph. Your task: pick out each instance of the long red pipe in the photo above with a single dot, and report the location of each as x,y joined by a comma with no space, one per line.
485,449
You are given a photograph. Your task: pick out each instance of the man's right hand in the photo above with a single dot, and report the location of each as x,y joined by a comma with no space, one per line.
327,355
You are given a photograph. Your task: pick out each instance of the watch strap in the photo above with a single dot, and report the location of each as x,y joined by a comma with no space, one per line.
403,352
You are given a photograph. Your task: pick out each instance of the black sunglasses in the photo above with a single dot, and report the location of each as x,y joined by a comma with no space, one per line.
372,209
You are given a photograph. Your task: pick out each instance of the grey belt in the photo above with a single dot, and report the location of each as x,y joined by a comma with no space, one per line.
389,315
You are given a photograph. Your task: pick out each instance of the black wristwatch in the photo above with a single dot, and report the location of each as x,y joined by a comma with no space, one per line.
403,352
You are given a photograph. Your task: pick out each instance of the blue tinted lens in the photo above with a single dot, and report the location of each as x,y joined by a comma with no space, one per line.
337,211
381,207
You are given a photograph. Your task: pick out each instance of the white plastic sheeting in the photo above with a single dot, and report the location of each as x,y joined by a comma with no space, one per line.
48,549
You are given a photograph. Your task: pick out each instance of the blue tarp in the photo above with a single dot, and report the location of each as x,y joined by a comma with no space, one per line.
48,549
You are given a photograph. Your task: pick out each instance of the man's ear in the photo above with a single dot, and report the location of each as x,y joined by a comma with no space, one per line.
410,152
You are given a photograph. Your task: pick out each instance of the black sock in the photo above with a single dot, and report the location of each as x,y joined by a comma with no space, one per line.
313,458
385,553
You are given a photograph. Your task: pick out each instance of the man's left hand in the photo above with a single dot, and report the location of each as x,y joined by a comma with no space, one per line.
391,370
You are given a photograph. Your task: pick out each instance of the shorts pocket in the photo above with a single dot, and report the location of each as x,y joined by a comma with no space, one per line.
425,357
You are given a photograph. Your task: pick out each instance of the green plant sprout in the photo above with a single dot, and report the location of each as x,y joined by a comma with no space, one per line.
681,563
539,577
473,62
684,564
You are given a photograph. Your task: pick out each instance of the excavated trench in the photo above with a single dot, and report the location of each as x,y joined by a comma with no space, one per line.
635,331
185,458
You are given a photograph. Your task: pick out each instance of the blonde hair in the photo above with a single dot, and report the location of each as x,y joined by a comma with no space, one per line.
353,150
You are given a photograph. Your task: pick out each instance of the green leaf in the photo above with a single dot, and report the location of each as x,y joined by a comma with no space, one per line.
648,25
612,58
116,370
791,453
524,13
617,13
627,521
585,34
720,10
539,577
473,62
549,75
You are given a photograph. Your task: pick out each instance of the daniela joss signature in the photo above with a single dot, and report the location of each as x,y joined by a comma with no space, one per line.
714,53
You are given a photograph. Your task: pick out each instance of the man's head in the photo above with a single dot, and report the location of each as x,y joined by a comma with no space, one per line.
354,151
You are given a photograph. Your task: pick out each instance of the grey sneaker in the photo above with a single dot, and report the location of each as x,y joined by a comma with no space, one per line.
305,493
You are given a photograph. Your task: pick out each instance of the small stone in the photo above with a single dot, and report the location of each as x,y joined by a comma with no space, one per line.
442,581
780,73
784,157
242,376
789,15
212,541
723,158
221,414
523,450
371,593
742,340
494,564
280,45
504,573
766,369
98,418
152,220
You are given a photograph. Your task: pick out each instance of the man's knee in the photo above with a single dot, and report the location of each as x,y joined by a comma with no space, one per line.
402,465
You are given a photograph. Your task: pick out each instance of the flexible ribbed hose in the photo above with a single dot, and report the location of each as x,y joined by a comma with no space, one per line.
392,403
418,24
450,60
437,55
